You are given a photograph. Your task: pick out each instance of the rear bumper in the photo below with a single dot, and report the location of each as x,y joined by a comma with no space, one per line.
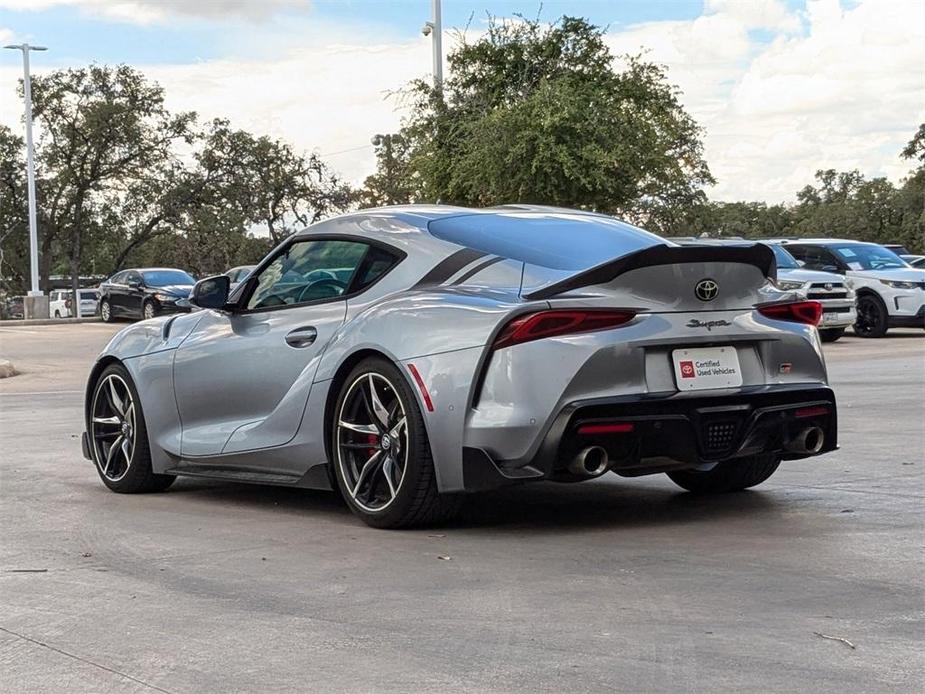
667,432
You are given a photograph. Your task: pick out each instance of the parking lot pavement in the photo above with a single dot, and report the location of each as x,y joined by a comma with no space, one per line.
617,584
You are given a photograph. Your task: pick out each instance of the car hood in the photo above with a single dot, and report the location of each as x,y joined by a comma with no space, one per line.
900,274
803,275
180,290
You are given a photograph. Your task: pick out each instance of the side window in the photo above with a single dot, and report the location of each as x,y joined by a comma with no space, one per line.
132,276
798,252
376,263
118,278
818,258
307,271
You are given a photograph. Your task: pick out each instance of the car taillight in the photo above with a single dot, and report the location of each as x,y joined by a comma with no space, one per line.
809,312
535,326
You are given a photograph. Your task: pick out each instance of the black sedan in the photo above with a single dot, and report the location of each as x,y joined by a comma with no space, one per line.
144,293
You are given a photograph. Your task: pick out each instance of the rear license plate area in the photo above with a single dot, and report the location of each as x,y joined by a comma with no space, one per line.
704,368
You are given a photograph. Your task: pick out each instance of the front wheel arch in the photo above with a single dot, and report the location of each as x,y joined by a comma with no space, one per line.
92,379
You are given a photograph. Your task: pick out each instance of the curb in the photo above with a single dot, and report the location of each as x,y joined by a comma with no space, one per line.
50,321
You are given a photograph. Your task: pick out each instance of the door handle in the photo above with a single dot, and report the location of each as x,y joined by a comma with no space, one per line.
301,337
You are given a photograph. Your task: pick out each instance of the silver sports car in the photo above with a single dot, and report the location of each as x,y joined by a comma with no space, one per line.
408,355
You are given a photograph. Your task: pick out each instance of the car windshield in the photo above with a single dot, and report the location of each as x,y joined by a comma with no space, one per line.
785,261
872,257
164,278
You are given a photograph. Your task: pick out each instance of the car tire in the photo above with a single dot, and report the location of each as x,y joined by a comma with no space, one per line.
728,476
106,311
118,436
831,334
392,482
148,310
873,319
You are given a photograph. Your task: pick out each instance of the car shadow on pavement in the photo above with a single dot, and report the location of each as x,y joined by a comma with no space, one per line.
541,506
551,506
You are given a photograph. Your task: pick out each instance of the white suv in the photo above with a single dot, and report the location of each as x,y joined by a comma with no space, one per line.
891,293
59,303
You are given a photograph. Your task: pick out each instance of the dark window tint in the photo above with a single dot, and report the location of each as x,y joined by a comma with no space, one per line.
118,278
814,257
376,263
307,271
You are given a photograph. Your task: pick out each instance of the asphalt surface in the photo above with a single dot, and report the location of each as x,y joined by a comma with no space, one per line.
618,584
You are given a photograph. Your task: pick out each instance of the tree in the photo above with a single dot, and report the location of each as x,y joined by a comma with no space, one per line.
14,232
102,129
267,182
536,113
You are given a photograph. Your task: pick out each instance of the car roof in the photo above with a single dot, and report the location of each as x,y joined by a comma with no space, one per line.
533,234
827,242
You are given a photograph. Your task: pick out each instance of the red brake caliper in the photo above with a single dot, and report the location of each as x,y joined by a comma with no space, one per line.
371,438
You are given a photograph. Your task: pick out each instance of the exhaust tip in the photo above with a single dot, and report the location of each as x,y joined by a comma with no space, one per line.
590,462
809,440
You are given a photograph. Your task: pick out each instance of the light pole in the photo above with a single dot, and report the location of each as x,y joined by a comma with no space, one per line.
434,29
30,183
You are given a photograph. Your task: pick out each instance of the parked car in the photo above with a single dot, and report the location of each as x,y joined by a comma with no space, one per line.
239,274
831,290
914,260
409,354
60,301
144,293
14,308
891,293
897,248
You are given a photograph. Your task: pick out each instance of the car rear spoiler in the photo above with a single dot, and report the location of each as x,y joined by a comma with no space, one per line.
758,255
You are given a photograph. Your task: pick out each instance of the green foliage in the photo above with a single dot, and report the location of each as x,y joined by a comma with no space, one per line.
121,180
14,233
536,113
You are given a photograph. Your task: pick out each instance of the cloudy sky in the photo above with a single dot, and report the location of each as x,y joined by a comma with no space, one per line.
782,87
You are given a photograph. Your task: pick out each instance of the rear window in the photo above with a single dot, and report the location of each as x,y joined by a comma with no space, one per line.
559,241
89,294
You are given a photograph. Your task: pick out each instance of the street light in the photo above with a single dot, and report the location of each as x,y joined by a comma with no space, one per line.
434,29
30,181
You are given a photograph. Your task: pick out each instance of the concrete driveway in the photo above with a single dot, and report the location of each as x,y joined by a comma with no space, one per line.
613,585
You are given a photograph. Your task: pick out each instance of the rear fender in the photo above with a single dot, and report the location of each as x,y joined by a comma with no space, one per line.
442,333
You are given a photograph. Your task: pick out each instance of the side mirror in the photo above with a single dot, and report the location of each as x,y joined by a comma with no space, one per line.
212,292
134,284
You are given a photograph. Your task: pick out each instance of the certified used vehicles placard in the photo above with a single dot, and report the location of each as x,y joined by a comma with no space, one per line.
707,367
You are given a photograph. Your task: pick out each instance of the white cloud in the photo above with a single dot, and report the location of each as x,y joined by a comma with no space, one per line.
846,91
160,11
780,94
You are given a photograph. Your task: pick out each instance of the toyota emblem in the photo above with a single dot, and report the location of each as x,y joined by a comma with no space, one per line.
706,289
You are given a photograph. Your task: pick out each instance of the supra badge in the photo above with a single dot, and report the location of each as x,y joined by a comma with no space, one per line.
706,289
